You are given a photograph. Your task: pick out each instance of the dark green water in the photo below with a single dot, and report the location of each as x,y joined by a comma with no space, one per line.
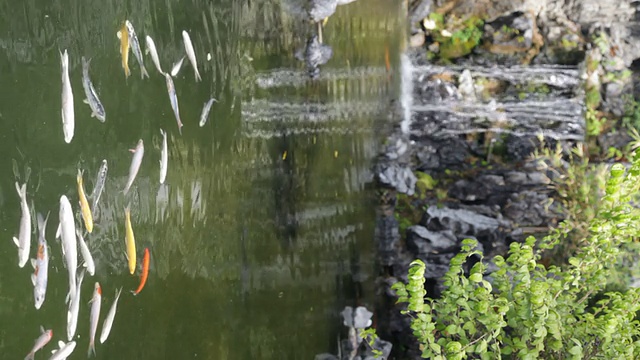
253,252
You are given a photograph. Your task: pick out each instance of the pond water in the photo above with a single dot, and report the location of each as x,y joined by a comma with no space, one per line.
263,230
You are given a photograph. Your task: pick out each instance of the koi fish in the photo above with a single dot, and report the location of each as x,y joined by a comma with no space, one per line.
96,301
164,157
99,186
97,110
138,153
176,67
135,46
151,48
64,350
41,341
191,54
173,98
68,117
67,231
84,204
23,241
205,111
130,241
74,309
86,254
40,264
123,35
108,321
145,272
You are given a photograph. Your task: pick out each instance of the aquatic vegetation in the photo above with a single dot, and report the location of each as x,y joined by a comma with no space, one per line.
455,37
530,310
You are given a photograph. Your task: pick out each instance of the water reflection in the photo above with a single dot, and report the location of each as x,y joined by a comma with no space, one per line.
253,253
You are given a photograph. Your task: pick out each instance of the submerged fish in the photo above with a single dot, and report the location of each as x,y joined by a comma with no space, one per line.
41,341
191,54
176,67
84,204
138,153
96,300
64,350
205,111
135,46
151,48
99,186
97,109
86,254
130,241
123,35
108,321
68,117
145,272
173,98
74,309
40,264
164,157
23,241
67,231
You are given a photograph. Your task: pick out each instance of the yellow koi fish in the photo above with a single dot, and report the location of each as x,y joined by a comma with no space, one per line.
84,205
130,241
123,35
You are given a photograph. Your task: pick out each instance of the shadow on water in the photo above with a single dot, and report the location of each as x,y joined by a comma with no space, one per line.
262,232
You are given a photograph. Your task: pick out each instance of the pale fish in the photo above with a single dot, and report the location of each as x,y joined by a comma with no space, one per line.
86,254
96,301
64,350
173,98
99,186
151,48
176,67
41,341
191,54
164,157
135,46
23,241
205,111
67,231
97,110
40,276
130,241
85,210
108,321
68,117
74,309
123,35
138,153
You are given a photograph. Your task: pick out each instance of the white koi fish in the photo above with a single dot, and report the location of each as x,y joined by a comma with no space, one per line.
23,241
74,309
96,301
138,153
176,67
164,157
64,350
205,111
191,54
97,109
67,231
108,321
86,254
101,178
40,264
151,48
173,98
68,117
41,341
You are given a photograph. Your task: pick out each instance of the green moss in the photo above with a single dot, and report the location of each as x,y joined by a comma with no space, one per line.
462,41
592,98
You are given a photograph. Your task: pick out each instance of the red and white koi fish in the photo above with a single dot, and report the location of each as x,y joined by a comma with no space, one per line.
41,341
40,264
96,301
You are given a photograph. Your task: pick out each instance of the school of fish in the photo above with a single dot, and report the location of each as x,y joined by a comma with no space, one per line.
72,233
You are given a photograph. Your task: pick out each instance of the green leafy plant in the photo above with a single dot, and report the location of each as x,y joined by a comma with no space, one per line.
526,310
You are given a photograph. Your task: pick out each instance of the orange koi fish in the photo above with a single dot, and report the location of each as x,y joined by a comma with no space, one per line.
145,272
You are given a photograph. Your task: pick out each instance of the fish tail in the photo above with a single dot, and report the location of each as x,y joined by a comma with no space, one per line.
144,72
42,223
30,356
64,59
127,72
22,190
92,349
198,78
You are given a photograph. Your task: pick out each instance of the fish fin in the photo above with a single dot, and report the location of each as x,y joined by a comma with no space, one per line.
86,101
198,78
42,330
59,231
93,114
92,349
33,279
30,356
33,263
119,34
15,241
132,150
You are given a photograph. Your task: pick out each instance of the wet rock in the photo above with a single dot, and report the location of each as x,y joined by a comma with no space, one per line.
461,221
479,189
326,356
417,39
422,241
398,177
466,87
387,237
360,318
614,100
418,10
529,208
